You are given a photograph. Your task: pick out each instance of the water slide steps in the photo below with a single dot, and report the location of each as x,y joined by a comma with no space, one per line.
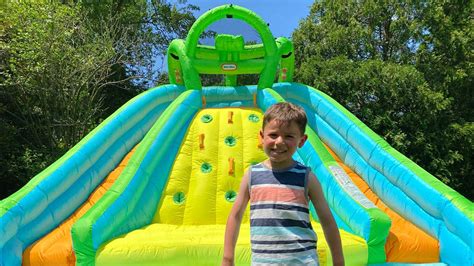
55,248
406,242
189,224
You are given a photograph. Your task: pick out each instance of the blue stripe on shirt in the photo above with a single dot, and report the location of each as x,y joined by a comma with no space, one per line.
283,251
278,207
280,222
270,242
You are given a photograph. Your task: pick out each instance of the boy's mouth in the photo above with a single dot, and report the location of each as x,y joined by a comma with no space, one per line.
277,152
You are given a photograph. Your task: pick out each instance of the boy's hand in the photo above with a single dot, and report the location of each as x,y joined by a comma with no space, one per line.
227,262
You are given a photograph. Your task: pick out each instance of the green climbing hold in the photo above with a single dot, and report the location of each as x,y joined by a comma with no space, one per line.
230,196
179,198
230,141
206,118
254,118
206,167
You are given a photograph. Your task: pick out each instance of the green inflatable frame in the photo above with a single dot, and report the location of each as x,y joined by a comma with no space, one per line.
230,56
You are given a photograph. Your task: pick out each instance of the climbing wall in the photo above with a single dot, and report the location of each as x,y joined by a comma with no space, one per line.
189,223
219,146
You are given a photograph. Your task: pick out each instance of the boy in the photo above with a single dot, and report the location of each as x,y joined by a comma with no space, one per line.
278,190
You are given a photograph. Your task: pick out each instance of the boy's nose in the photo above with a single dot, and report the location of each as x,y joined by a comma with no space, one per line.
279,140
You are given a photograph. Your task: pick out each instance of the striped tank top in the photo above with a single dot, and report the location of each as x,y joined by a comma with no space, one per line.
280,227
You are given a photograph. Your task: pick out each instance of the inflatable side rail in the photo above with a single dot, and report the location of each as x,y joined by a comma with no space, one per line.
230,56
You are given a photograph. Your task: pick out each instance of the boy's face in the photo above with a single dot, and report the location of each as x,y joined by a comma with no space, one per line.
280,141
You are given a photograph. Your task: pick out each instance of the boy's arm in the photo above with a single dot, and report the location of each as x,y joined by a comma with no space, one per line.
234,220
331,232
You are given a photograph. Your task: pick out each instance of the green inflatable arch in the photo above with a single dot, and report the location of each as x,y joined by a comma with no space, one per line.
230,56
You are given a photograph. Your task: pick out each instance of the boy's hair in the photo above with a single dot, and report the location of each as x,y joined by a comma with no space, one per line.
285,112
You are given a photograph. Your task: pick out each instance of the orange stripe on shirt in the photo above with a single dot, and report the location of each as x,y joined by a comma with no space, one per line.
277,194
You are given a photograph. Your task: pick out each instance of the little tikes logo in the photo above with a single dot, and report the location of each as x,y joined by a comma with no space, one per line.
229,67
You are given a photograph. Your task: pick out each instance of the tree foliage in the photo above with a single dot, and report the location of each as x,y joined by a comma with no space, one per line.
405,69
67,65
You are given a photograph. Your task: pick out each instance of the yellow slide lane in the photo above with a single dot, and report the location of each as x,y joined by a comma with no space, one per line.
406,242
55,248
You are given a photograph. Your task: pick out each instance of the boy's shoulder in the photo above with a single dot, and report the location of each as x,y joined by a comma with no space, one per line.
301,165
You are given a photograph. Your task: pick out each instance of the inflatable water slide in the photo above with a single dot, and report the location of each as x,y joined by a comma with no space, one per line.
153,184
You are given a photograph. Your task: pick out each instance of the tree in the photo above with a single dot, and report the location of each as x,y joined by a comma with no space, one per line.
445,56
377,59
66,66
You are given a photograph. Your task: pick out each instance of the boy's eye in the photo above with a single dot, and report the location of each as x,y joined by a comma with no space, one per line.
290,137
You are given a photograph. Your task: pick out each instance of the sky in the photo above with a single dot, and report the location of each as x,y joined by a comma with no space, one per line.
283,15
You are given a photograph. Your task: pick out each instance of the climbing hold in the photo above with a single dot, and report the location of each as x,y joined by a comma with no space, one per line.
230,141
230,117
201,141
179,198
254,118
231,166
206,118
206,167
230,196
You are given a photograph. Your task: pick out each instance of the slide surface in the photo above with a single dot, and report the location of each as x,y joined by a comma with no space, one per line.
56,247
405,242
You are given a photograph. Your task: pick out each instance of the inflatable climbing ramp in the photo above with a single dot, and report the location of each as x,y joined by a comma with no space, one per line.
189,224
154,183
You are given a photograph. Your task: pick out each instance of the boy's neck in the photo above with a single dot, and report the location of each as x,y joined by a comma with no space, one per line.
278,165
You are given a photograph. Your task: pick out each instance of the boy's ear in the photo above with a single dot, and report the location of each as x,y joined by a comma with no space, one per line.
302,140
260,139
